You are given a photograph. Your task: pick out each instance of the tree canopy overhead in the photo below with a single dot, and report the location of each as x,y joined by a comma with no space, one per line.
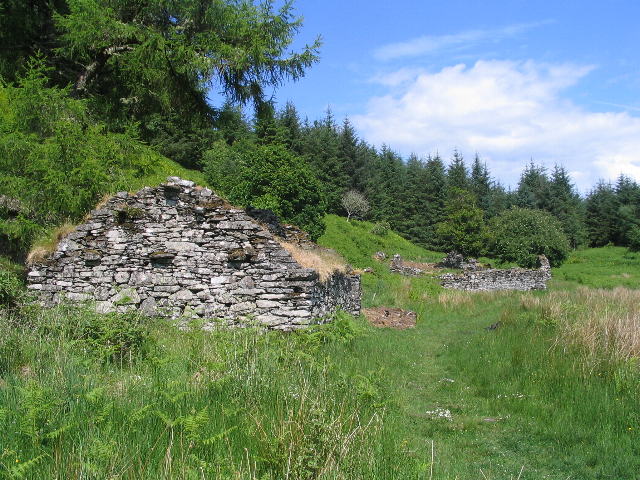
154,61
192,44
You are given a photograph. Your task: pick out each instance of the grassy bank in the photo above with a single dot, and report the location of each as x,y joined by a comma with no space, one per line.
109,397
551,392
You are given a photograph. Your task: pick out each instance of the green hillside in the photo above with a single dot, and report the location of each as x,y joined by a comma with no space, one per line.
548,394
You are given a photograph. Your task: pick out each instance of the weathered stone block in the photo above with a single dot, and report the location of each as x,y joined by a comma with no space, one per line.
126,296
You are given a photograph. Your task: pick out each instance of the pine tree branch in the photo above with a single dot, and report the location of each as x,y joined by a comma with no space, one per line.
94,67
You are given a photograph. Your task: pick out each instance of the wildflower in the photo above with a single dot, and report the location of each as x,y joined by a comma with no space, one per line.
440,413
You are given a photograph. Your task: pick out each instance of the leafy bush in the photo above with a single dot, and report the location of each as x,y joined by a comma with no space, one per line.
11,289
520,235
381,228
269,177
634,239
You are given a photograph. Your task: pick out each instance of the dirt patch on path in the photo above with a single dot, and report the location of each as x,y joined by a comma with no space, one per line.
390,317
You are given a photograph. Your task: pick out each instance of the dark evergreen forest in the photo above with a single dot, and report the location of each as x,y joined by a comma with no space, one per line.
97,93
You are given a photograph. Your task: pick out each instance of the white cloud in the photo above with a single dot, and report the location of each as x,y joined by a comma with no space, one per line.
507,111
430,44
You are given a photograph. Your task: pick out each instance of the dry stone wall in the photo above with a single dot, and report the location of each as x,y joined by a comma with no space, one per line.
495,279
180,250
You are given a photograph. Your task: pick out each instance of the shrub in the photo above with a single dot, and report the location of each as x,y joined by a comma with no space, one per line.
269,177
11,289
520,235
381,228
634,239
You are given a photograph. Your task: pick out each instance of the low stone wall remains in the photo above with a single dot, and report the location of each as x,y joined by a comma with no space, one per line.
496,279
399,266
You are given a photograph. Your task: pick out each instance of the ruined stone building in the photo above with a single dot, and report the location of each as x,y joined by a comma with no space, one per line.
180,250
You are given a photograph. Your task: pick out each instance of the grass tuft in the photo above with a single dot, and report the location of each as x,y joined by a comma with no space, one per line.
324,261
47,244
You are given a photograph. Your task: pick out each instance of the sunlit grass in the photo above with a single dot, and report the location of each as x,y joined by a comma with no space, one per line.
534,385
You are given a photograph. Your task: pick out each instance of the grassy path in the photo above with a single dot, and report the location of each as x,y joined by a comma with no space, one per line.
494,404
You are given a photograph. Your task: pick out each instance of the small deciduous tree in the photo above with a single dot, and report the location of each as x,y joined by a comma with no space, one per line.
269,177
355,204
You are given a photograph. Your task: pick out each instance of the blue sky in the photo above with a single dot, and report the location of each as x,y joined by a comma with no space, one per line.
556,81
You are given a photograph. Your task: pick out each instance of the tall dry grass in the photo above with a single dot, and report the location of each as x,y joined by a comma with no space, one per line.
46,245
324,261
606,323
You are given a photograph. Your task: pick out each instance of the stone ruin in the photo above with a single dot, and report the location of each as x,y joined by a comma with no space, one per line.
457,260
398,265
498,279
475,276
179,250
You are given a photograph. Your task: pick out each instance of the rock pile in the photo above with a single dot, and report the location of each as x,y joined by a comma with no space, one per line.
457,260
389,317
398,266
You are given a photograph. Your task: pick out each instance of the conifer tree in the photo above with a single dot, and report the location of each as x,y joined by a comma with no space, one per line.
602,211
266,127
481,184
457,174
154,62
231,124
321,149
533,188
385,179
289,122
463,228
435,188
366,156
567,206
628,218
348,154
414,201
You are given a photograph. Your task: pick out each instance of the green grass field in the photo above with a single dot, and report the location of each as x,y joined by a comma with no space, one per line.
605,267
83,396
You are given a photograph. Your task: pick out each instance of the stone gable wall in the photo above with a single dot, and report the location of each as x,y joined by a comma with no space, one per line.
179,250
